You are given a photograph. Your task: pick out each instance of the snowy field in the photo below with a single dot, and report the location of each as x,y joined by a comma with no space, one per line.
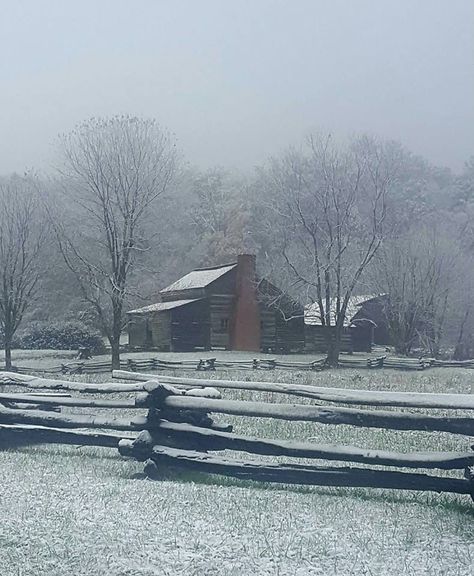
88,512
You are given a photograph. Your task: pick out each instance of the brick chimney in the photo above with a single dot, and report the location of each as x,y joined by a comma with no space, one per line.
246,321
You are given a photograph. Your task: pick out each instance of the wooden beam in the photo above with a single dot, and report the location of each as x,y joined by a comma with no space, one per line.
49,419
214,440
338,395
300,474
139,401
34,382
20,435
389,420
50,394
46,406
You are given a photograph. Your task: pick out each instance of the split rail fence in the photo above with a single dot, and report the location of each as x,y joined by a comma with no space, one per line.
213,364
178,432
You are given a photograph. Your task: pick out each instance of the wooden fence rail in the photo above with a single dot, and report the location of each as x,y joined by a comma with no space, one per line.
339,395
174,428
213,364
332,395
293,474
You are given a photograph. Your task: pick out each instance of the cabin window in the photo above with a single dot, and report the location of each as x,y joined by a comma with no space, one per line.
224,323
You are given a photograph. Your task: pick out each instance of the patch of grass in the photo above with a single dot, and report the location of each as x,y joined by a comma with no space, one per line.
80,511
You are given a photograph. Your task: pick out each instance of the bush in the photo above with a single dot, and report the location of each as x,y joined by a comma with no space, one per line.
69,335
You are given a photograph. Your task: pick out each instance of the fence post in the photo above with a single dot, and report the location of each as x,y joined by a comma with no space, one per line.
469,475
211,364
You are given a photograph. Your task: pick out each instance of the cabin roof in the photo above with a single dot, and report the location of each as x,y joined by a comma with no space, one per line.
162,306
312,316
199,278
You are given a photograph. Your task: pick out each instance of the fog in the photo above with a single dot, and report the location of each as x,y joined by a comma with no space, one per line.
239,81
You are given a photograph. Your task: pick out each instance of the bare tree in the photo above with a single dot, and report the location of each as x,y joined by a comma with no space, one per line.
113,171
220,213
417,271
21,240
329,202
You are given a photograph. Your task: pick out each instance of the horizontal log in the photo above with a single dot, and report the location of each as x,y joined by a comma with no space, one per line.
139,401
48,419
50,394
153,394
215,440
326,415
300,474
153,391
453,363
46,406
337,395
34,383
21,435
40,418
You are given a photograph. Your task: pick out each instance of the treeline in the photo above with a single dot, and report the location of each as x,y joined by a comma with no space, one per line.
124,215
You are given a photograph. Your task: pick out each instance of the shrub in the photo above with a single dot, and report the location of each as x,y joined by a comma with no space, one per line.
66,335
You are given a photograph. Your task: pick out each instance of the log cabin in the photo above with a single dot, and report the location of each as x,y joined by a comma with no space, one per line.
364,325
220,307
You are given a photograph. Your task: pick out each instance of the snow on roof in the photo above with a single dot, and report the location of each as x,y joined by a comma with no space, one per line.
161,306
312,316
199,278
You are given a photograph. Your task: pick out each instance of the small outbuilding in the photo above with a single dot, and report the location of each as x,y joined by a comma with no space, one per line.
364,325
220,307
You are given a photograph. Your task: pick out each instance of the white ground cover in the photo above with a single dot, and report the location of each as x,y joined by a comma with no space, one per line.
80,511
75,514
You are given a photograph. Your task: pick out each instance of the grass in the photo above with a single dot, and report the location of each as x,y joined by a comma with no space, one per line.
84,512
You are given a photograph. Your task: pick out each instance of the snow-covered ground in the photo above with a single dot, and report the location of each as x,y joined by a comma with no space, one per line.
83,511
68,512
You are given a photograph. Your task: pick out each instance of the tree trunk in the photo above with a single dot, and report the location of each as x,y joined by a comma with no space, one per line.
116,333
8,339
115,345
334,346
460,348
332,358
8,355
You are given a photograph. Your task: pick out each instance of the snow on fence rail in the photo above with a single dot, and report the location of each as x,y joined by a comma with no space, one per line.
177,429
212,364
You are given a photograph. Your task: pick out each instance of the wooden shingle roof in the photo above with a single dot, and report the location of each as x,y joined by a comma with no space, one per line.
161,306
199,278
312,315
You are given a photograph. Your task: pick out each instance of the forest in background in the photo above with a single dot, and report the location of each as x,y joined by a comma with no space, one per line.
203,218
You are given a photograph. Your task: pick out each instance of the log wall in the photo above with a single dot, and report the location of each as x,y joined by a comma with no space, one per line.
160,326
221,312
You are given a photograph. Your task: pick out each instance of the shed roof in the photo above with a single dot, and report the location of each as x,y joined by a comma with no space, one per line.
199,278
162,306
312,316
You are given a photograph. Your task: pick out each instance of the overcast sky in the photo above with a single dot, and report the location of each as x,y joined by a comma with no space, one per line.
239,80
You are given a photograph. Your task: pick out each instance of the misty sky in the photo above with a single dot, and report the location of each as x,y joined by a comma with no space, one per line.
239,80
